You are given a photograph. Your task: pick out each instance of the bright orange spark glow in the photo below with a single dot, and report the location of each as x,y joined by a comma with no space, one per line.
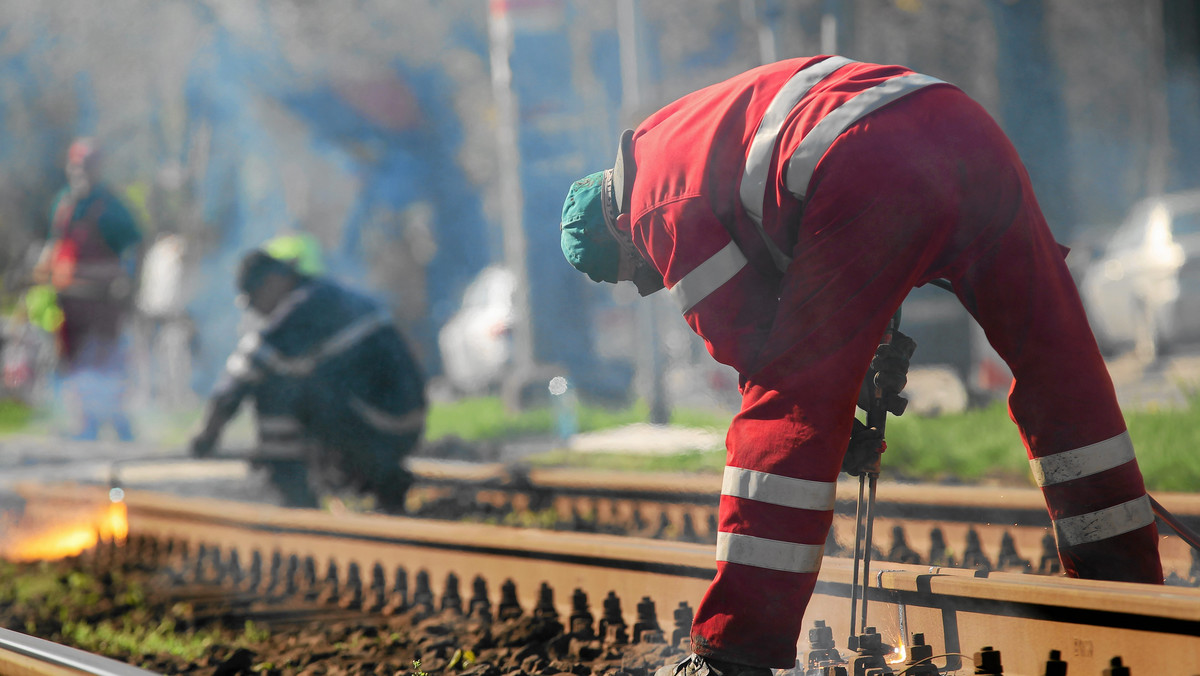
52,544
899,655
69,539
116,523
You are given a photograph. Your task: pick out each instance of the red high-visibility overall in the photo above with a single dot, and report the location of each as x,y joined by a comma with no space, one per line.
790,210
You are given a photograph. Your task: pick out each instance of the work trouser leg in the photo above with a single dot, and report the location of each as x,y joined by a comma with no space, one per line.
1064,404
290,478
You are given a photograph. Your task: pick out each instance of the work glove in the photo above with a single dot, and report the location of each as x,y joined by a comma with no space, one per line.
889,374
863,453
202,446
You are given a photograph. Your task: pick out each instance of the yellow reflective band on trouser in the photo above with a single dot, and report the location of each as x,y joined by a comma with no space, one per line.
771,554
779,490
1082,462
1104,523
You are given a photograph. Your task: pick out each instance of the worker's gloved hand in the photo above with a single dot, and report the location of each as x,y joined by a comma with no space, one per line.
863,453
889,374
202,446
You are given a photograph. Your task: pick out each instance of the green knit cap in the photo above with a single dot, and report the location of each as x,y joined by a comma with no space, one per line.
586,241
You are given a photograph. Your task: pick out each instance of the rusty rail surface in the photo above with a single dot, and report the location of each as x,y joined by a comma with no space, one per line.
1153,629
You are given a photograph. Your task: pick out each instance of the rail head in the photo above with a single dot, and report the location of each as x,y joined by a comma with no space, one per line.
25,655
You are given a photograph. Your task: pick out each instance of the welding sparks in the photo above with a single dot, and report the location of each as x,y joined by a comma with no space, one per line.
899,655
70,539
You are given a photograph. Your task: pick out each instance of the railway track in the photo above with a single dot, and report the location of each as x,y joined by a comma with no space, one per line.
646,586
979,527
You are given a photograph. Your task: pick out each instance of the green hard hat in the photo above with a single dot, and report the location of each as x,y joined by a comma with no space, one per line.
586,241
301,249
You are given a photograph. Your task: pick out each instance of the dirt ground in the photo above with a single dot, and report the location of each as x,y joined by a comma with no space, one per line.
99,608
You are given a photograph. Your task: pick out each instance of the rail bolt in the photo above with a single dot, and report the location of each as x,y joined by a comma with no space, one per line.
920,658
1116,668
987,661
1055,666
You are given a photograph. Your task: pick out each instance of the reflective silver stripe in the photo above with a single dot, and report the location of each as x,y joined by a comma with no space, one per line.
1104,523
279,425
282,450
779,490
241,368
383,421
239,365
812,148
772,554
753,188
1083,462
708,276
339,342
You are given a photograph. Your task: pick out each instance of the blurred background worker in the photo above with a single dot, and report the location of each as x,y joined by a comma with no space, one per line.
335,387
89,259
165,330
790,210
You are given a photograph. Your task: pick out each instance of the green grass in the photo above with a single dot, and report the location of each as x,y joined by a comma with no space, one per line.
14,416
712,462
979,445
983,444
485,418
1167,444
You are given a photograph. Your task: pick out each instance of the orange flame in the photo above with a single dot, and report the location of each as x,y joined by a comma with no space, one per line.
70,539
900,654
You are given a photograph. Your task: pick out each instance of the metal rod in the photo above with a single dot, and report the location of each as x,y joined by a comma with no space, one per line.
858,527
1186,534
872,481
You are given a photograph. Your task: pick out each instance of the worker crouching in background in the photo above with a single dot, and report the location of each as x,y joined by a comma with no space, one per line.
789,211
335,387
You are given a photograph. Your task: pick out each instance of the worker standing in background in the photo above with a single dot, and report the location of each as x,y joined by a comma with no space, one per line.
789,210
335,387
165,328
90,258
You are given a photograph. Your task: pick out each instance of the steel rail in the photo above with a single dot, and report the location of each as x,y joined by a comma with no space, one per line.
915,508
23,655
683,506
1154,629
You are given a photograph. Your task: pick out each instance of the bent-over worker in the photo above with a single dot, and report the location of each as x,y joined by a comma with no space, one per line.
788,211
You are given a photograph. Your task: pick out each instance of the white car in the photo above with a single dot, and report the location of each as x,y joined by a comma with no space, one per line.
476,343
1143,291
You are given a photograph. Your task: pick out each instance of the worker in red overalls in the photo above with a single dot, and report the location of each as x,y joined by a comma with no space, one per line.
89,258
788,211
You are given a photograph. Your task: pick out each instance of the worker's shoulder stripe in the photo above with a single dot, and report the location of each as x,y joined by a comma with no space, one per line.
803,162
779,490
339,342
812,148
1083,462
771,554
753,187
1104,523
707,277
